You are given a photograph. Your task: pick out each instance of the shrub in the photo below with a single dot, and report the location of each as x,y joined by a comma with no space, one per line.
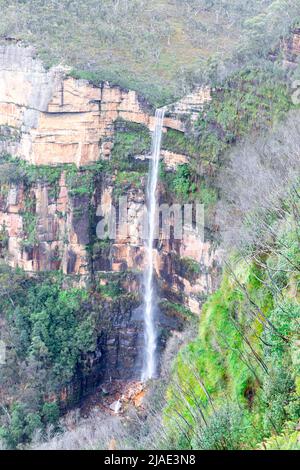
50,413
179,142
277,392
227,429
247,101
288,439
130,140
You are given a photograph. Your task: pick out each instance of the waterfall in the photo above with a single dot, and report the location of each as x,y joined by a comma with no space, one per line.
149,366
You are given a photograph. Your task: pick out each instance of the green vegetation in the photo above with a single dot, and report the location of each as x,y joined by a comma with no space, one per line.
125,181
9,133
29,239
288,439
111,285
159,50
49,321
130,140
227,429
186,267
252,100
237,385
185,186
111,290
3,239
99,247
179,183
80,183
47,331
238,382
177,310
178,142
51,331
248,102
24,424
14,170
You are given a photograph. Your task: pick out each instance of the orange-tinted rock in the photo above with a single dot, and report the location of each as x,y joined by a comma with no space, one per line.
192,104
172,160
66,120
291,48
295,48
56,242
62,119
59,119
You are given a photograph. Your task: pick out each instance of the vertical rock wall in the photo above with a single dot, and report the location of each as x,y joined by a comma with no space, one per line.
50,118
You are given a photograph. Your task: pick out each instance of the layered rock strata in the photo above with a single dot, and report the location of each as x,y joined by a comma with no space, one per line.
49,118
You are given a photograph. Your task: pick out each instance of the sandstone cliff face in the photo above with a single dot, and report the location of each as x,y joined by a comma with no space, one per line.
52,118
49,118
126,252
192,104
50,221
291,48
65,238
58,243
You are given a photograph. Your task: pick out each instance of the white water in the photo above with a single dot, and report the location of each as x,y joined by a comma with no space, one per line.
149,366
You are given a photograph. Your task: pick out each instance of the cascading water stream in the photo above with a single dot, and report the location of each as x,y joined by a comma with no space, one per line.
149,366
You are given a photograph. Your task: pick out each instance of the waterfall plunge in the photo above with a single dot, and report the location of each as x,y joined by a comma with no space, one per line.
149,366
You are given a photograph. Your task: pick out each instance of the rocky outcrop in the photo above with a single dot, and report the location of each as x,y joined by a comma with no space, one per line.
291,48
120,341
66,235
51,118
192,104
60,119
188,271
172,159
59,233
47,117
295,45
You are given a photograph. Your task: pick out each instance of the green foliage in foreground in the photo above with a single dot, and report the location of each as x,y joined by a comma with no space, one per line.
238,383
47,329
288,439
